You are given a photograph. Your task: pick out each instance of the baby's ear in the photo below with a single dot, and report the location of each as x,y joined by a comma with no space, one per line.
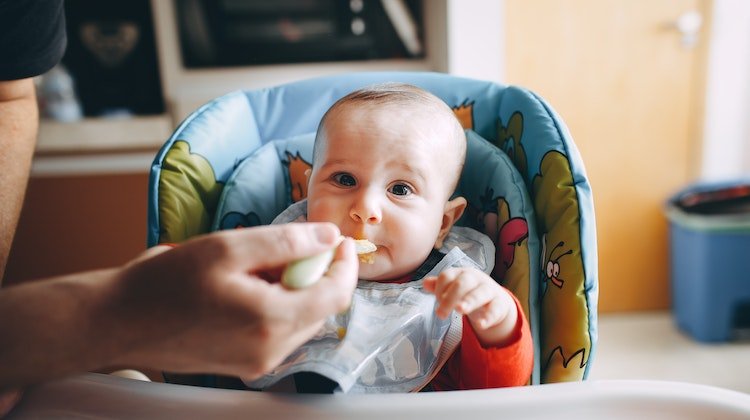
453,211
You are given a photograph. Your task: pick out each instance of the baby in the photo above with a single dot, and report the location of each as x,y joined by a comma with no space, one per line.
386,161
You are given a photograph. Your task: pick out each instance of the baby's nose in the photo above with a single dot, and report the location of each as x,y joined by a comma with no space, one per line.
366,210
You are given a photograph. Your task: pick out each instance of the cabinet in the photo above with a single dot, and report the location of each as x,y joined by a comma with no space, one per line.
78,222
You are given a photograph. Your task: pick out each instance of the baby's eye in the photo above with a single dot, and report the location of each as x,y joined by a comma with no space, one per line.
401,189
345,180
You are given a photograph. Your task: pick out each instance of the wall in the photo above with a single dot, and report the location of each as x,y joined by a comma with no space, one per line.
475,40
726,133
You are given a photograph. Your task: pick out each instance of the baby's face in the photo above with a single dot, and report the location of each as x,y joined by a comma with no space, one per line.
381,175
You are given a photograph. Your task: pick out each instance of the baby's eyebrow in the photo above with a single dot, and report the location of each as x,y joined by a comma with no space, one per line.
334,162
415,170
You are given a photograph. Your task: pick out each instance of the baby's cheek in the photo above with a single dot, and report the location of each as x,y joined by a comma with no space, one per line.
320,211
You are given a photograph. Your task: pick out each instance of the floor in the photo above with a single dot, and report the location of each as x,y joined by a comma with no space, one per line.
649,346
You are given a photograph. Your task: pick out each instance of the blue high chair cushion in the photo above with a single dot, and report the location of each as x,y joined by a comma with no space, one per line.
266,183
205,155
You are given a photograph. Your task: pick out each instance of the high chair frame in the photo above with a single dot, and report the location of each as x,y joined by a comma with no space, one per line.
524,180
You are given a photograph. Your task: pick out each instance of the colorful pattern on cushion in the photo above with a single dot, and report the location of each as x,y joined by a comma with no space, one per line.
189,193
499,206
565,340
297,168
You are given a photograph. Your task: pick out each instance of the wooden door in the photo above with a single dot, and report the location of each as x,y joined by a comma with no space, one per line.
631,93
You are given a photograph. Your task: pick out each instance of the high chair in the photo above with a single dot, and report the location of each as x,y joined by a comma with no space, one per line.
241,159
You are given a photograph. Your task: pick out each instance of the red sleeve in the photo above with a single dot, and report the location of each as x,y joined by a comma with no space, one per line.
472,366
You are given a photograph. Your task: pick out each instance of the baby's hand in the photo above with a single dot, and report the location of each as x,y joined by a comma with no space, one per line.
489,306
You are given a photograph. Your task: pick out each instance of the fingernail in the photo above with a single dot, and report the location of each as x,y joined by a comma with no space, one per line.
325,233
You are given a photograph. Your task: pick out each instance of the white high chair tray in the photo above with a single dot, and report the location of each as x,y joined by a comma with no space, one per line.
103,396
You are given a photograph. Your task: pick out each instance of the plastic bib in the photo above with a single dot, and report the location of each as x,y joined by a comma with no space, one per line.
390,339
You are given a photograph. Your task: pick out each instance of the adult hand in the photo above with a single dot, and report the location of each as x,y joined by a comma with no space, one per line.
214,305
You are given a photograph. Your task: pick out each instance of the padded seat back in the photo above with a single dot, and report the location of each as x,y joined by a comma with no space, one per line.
240,159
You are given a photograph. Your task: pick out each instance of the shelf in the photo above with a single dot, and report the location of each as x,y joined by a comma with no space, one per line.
92,135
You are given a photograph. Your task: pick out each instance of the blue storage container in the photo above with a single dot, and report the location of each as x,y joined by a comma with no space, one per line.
710,259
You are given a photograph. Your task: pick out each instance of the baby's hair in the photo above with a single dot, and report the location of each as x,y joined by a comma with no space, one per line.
400,94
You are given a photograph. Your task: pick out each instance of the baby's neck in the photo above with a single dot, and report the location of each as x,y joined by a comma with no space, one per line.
430,262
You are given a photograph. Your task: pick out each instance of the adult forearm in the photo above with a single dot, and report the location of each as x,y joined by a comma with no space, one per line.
55,327
18,130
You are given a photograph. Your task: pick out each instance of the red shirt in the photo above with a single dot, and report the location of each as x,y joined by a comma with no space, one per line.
472,366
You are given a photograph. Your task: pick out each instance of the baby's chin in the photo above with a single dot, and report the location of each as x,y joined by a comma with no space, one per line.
371,272
368,272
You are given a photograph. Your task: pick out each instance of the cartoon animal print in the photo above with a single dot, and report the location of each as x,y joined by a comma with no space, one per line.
509,140
465,114
565,340
188,194
485,217
552,269
510,235
512,255
234,220
297,168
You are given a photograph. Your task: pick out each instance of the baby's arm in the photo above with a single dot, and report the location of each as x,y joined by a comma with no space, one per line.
490,308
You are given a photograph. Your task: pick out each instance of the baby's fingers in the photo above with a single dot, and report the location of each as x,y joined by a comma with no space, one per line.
493,311
486,316
453,295
475,299
429,284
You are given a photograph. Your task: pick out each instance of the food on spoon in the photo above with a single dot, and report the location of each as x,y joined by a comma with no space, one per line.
307,271
365,250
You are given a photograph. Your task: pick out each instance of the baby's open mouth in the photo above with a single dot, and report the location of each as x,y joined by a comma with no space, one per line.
365,250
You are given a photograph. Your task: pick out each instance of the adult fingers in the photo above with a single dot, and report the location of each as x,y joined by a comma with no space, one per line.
295,309
299,313
260,248
333,292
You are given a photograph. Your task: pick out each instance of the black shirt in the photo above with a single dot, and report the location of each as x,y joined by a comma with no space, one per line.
32,37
